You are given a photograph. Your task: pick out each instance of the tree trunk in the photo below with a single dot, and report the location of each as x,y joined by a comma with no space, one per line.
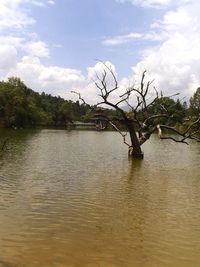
136,148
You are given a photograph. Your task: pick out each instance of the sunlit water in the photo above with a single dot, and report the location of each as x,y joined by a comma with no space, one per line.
74,199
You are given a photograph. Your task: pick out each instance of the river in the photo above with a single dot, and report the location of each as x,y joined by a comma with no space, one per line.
73,199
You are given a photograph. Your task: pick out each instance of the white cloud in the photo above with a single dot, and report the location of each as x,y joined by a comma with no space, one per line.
98,69
94,73
14,14
51,2
175,62
121,39
60,81
174,59
13,17
154,3
133,36
8,55
15,41
46,78
37,49
50,79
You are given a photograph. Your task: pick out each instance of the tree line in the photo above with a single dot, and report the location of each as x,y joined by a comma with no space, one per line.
20,106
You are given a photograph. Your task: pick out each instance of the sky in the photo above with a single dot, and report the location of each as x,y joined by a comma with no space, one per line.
54,45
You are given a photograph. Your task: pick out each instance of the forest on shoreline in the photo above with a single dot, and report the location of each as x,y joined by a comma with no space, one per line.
22,107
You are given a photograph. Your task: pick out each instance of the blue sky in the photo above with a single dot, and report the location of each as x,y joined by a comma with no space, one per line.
52,45
81,26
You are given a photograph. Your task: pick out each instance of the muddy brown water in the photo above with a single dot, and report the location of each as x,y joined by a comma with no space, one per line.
74,199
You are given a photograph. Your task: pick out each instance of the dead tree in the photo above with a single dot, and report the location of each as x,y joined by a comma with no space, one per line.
139,122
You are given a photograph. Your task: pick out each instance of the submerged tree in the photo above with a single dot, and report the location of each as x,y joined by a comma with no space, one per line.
150,111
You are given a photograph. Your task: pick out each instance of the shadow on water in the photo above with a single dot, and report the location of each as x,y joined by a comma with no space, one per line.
15,143
6,264
2,264
58,194
135,166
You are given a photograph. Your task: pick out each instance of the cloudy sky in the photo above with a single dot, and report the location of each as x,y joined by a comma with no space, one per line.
52,45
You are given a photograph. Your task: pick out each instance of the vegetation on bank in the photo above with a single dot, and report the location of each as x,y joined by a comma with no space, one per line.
20,106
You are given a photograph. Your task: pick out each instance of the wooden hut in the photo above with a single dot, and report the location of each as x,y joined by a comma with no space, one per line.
100,120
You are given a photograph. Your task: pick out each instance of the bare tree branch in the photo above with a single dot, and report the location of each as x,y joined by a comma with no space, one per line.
195,123
183,135
156,117
79,96
140,122
122,134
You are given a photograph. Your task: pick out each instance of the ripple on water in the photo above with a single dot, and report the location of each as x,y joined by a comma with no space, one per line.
73,199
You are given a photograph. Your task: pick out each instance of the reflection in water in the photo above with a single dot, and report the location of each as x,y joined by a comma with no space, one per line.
74,199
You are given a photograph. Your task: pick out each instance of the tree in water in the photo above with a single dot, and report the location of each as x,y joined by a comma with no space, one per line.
150,111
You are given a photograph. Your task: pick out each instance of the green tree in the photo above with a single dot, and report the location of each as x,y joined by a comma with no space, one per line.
22,107
195,103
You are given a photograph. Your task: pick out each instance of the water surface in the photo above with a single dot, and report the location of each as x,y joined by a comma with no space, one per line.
74,199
